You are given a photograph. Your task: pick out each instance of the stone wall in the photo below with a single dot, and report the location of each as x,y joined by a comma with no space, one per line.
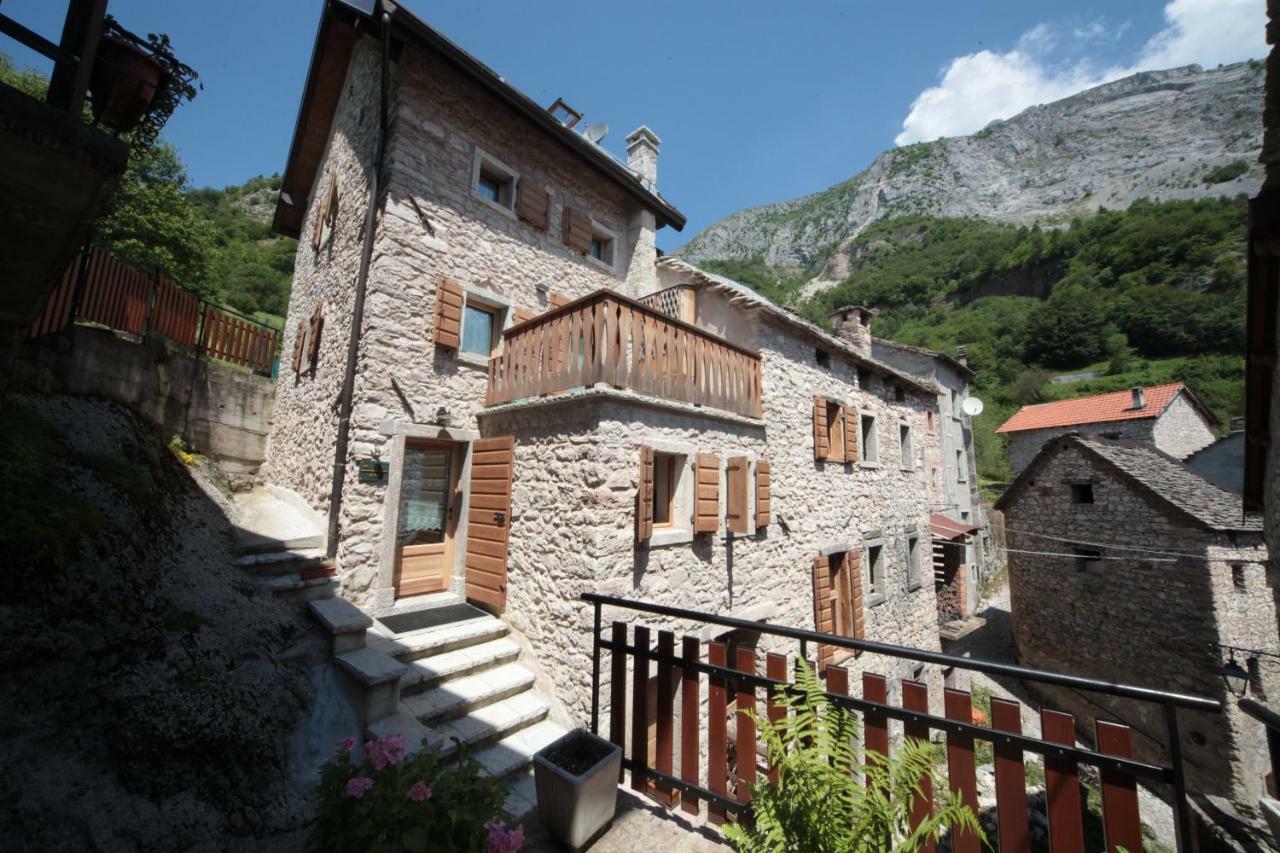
1139,621
1023,446
1182,429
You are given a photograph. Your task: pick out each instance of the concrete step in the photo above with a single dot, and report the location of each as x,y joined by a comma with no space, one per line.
492,722
427,672
441,639
297,588
514,752
455,698
522,795
282,562
272,519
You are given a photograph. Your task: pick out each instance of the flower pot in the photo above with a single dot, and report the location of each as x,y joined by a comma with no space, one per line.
123,84
576,778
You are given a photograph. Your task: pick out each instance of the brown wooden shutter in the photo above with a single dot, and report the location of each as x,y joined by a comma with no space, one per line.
706,517
644,496
736,495
448,322
523,315
852,426
821,444
556,299
853,565
313,336
489,520
299,342
824,608
533,205
577,230
326,214
764,504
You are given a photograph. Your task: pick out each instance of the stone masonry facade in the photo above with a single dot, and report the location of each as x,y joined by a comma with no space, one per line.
1152,619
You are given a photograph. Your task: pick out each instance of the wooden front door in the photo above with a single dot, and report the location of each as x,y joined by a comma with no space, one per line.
424,532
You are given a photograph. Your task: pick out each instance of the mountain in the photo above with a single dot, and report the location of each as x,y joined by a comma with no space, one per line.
1185,133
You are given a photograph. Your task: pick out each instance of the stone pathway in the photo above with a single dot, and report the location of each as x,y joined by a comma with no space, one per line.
642,825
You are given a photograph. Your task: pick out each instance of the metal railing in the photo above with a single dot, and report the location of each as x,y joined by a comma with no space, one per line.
1113,758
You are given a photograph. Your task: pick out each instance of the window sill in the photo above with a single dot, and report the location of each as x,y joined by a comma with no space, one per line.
912,586
870,465
906,470
472,359
607,267
501,208
877,599
670,536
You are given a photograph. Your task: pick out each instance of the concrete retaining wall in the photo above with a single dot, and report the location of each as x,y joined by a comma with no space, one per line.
222,411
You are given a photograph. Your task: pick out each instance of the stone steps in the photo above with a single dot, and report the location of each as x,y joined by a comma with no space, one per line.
445,638
284,562
457,697
430,671
300,588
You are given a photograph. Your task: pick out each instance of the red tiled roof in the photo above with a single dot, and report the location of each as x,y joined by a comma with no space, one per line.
1101,408
948,528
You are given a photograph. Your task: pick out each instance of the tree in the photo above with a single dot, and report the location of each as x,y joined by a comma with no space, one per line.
1068,330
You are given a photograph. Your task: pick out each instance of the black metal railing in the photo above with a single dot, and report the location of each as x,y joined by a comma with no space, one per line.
1171,774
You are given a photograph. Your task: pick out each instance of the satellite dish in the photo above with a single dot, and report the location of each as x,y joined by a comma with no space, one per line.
595,132
972,406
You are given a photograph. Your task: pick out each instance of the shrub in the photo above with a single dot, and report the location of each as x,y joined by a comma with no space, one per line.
828,800
388,801
1226,172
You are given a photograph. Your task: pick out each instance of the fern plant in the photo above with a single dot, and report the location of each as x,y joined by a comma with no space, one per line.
827,799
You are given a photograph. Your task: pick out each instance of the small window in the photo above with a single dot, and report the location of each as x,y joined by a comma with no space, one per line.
835,431
914,574
666,476
961,467
1237,577
494,182
602,245
933,426
822,357
905,446
875,570
478,326
864,378
1082,493
899,394
870,447
1087,559
1254,668
955,403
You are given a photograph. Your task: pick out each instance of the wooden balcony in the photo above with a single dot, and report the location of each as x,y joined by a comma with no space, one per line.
610,339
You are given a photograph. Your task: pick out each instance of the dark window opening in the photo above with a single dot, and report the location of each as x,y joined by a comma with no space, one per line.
1082,493
822,357
1237,576
899,394
1087,559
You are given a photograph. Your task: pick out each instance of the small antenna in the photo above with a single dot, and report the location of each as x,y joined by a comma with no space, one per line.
596,132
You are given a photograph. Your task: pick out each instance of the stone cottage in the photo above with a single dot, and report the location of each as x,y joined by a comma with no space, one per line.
958,524
525,404
1125,565
1169,417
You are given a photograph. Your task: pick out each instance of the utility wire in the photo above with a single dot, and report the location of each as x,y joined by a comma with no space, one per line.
1166,551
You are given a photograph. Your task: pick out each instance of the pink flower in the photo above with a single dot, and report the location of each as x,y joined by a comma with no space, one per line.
357,786
344,748
503,840
420,792
387,751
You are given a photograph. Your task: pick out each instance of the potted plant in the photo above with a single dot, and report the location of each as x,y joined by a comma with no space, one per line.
576,778
124,82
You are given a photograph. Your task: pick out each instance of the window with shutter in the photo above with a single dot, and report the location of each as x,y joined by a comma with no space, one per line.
448,319
314,331
835,432
764,505
706,517
851,435
644,496
823,608
533,205
577,230
326,215
556,299
837,602
737,496
523,315
299,344
821,437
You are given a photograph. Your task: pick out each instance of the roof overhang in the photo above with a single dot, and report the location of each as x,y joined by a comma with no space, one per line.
943,527
342,22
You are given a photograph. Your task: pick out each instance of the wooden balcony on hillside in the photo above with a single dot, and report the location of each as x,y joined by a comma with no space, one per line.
611,339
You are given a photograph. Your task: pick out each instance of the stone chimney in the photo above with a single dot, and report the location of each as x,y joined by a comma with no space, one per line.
1139,401
642,227
962,355
853,324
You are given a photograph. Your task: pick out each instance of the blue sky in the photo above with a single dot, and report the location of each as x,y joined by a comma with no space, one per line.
755,101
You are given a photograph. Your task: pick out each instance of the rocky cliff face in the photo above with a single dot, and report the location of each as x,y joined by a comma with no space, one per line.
1155,134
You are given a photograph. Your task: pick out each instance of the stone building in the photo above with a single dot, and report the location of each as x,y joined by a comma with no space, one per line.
540,407
1166,416
959,525
1126,566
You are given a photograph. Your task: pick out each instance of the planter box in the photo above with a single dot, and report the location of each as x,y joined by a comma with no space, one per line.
576,808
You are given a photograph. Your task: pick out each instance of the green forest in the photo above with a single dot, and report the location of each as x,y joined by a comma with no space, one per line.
1154,293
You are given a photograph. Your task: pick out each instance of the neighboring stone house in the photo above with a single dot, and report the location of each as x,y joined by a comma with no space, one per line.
959,531
1126,566
1168,416
1222,463
541,408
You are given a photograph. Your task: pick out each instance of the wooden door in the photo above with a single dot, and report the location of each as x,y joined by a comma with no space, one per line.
489,520
424,530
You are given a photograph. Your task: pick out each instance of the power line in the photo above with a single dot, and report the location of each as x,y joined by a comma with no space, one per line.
1165,552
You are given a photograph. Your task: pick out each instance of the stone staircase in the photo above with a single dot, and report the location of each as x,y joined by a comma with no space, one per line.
280,541
460,682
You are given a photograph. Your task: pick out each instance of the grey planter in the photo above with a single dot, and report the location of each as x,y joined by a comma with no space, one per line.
576,809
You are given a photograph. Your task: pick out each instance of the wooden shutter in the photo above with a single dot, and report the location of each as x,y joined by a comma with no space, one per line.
764,504
556,299
448,322
644,496
706,516
577,230
821,444
489,520
533,205
523,315
299,343
824,607
736,497
853,565
852,429
313,336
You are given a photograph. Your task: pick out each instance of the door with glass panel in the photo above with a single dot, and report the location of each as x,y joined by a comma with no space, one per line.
424,529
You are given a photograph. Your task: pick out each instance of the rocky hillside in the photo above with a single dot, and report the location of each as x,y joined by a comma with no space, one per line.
1185,133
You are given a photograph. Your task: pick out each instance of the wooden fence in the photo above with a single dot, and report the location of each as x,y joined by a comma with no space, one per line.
117,295
609,338
732,686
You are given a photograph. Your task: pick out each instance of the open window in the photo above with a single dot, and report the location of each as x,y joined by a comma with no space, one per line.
1087,559
493,182
837,602
666,479
664,513
1082,493
869,444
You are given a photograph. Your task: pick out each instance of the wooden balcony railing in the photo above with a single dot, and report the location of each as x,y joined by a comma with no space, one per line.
611,339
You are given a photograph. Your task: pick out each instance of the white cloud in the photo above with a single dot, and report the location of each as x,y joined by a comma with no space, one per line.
976,88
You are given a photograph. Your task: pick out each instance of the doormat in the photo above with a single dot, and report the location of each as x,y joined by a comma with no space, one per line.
431,617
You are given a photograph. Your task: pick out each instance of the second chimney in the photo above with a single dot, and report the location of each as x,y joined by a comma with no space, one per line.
1139,401
853,324
642,155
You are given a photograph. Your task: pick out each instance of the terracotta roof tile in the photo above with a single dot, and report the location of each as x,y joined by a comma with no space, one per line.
1101,408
